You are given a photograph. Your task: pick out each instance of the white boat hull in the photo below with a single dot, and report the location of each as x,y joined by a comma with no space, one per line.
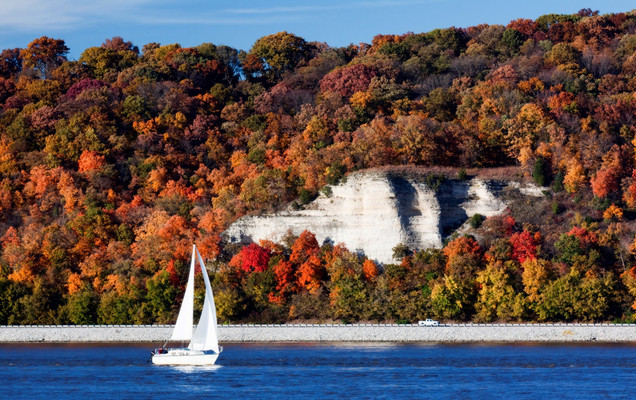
184,357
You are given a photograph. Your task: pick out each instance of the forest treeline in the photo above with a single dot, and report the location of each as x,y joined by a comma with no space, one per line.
112,165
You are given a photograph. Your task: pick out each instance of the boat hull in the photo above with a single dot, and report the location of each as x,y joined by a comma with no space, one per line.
185,357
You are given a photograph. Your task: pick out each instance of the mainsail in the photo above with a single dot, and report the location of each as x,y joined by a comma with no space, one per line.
183,327
205,336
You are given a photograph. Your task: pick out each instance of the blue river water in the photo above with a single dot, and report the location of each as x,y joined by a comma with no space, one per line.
323,371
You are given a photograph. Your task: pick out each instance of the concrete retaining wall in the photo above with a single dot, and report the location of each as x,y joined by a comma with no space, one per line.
332,333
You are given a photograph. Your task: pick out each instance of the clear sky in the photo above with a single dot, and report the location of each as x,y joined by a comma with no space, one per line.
86,23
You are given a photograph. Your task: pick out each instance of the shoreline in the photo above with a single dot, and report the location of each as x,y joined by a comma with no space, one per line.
407,333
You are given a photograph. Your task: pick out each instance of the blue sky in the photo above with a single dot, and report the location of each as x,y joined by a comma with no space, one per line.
86,23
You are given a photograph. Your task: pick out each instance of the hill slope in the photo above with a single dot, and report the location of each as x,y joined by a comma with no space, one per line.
112,165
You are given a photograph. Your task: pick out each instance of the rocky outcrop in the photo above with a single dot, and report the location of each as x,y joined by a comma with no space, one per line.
372,212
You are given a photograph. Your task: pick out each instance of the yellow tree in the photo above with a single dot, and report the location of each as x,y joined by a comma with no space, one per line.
526,128
497,298
574,176
536,275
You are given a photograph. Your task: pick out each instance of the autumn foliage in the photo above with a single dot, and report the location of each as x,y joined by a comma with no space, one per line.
112,165
525,245
251,258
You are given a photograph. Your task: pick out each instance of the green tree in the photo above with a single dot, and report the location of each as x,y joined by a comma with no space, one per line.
230,304
400,251
441,104
160,297
81,307
453,299
116,308
107,62
512,39
563,53
40,306
281,51
258,286
539,172
348,290
577,297
569,247
10,293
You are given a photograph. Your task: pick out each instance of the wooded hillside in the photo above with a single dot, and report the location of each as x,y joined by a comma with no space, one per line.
112,165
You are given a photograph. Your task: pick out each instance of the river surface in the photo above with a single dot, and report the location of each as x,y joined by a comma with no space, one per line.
323,371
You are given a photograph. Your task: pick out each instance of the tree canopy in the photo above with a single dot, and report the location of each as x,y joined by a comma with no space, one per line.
111,166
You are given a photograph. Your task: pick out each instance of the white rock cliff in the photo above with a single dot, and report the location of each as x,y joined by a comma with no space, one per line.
372,212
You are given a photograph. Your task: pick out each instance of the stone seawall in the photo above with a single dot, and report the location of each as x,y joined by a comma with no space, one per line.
446,333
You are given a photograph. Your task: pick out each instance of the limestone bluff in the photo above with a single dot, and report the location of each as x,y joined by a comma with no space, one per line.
373,211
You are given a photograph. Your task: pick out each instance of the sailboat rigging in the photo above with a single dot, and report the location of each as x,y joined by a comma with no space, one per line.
203,348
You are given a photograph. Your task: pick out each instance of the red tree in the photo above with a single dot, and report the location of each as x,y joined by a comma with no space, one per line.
251,258
90,161
525,245
463,256
10,62
587,238
509,224
526,27
285,279
629,195
305,255
370,270
118,44
311,273
305,246
83,85
607,178
462,245
348,80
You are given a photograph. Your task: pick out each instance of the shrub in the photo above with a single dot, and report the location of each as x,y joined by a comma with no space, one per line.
462,175
306,196
434,181
326,191
476,221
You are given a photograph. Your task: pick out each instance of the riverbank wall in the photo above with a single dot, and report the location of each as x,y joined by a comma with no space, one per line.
445,333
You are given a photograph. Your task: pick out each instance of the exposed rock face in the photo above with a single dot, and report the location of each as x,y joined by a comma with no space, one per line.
372,212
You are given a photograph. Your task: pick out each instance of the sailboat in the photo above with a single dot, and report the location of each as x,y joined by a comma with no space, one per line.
203,348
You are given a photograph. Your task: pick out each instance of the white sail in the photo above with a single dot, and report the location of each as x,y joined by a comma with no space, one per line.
183,327
204,343
205,335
